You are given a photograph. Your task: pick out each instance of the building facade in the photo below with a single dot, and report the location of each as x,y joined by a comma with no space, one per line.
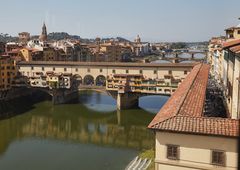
7,73
231,80
186,138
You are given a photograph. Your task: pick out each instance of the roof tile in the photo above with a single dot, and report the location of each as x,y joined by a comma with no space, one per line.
183,112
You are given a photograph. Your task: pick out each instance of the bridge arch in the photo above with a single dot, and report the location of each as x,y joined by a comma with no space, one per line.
88,80
78,78
100,80
185,55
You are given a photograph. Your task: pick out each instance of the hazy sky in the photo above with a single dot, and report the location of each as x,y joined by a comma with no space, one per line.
153,20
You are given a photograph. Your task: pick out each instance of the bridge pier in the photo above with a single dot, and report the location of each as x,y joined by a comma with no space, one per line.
175,60
127,100
61,96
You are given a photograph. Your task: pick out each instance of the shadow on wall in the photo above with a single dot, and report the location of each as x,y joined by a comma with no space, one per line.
20,105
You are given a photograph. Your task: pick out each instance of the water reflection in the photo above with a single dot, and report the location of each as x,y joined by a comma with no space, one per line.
118,135
152,104
99,102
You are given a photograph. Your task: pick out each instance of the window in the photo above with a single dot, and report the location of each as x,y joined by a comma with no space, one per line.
100,70
53,68
32,68
238,31
218,158
140,71
65,69
113,71
127,71
173,152
76,69
170,72
88,70
185,72
155,72
42,68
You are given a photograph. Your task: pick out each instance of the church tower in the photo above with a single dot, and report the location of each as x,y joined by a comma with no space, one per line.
43,36
138,39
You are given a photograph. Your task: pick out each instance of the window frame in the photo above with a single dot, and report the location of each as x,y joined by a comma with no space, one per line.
223,163
177,157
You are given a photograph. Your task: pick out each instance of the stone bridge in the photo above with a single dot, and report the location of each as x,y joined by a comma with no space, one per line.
154,79
177,56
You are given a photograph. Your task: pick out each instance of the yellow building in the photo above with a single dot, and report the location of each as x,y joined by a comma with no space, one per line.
233,32
26,54
7,72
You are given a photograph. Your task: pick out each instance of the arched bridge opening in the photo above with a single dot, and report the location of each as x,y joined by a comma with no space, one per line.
88,80
101,80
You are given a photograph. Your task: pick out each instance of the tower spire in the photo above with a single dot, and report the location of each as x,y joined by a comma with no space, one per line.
43,36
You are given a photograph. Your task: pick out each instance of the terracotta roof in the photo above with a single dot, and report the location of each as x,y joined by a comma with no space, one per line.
200,125
232,43
173,104
183,112
235,49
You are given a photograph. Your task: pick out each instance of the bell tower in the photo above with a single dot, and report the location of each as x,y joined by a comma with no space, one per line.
43,36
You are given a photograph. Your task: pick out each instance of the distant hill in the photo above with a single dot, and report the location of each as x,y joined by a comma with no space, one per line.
7,38
120,39
62,35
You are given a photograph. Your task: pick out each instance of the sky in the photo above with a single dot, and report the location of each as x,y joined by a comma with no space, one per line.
153,20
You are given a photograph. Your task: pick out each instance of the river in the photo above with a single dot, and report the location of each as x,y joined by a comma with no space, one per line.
88,134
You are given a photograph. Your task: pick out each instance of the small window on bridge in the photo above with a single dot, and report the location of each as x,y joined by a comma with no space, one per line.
155,72
42,68
53,68
140,71
32,68
113,71
127,71
65,69
88,70
169,71
100,70
185,72
76,69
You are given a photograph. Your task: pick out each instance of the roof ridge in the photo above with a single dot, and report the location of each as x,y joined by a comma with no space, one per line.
152,123
189,89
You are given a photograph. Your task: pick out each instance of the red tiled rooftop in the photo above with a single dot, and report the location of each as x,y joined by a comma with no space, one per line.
173,104
235,49
200,125
183,112
232,43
